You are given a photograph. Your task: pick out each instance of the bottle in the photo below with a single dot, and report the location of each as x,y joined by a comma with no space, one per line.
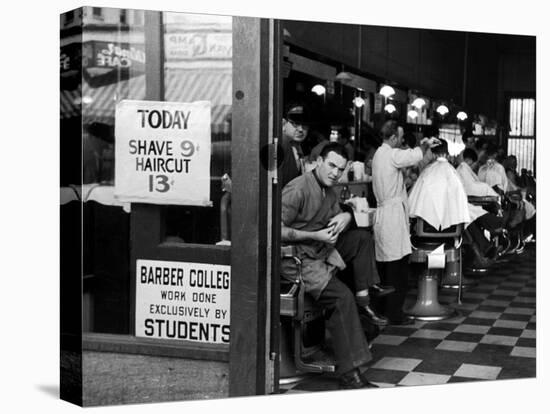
345,194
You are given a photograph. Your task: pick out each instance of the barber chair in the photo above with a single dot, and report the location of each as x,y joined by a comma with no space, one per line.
426,239
302,346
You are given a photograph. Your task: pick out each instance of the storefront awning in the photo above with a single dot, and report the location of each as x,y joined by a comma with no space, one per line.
98,104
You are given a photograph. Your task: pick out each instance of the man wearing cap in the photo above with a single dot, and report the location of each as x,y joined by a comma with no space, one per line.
295,128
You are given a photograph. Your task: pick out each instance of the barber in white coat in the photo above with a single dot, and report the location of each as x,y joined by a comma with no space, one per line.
391,229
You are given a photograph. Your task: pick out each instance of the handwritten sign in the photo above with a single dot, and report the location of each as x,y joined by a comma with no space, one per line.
183,301
162,152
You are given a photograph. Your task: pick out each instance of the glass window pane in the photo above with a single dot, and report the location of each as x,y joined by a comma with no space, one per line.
198,67
113,69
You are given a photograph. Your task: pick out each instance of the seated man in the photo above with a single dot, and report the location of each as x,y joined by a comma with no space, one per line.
492,172
483,219
472,184
313,221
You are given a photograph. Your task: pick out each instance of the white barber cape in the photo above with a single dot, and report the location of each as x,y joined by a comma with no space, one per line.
493,174
472,184
438,196
391,227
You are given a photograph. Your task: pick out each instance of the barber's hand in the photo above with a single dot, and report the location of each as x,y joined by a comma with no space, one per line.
327,235
430,142
340,222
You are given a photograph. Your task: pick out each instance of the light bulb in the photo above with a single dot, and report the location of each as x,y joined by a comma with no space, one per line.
318,90
418,103
390,108
442,110
358,101
412,114
462,115
387,91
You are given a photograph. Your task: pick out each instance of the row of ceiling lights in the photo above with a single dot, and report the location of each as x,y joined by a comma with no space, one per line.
387,91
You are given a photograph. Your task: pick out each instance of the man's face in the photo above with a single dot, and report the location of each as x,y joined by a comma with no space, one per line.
397,140
330,169
294,130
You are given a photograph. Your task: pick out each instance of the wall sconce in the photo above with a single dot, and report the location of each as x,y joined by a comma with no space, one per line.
461,116
419,103
390,108
358,101
343,77
319,90
387,91
442,110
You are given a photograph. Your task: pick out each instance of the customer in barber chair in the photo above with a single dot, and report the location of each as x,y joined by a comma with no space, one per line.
438,196
483,219
440,199
313,221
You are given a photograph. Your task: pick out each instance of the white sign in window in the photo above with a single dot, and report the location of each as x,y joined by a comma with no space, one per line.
183,301
162,152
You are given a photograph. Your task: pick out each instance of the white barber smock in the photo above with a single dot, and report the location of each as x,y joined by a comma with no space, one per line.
391,228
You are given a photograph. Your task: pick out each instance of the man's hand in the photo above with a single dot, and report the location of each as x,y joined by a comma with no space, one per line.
430,142
327,235
339,222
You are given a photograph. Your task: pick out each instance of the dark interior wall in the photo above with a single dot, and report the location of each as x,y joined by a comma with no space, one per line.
430,61
482,74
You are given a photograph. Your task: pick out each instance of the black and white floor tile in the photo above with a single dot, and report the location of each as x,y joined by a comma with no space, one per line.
492,337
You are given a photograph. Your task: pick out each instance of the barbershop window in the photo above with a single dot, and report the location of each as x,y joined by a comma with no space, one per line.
521,138
197,67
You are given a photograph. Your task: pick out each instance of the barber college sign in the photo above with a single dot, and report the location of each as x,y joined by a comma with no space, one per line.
162,152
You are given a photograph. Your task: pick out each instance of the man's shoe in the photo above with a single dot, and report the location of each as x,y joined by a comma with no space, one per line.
401,322
379,290
367,383
353,380
373,316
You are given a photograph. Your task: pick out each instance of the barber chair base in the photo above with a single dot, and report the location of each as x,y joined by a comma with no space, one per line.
467,283
452,279
427,306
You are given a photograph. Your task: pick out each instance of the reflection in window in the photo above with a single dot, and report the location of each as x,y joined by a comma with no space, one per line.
198,67
98,70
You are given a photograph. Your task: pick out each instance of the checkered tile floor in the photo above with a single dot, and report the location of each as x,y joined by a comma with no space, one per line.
493,336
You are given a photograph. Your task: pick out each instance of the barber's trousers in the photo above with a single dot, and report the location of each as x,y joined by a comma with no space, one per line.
342,321
396,274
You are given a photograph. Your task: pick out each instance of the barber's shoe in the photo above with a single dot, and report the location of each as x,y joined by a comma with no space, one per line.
380,290
401,322
354,380
373,316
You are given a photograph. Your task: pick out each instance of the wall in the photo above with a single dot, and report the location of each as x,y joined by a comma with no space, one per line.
430,61
116,378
